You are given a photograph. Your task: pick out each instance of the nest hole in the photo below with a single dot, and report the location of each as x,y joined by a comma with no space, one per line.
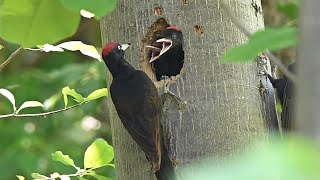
170,64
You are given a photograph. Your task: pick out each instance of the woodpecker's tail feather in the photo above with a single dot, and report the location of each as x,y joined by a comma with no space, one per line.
166,171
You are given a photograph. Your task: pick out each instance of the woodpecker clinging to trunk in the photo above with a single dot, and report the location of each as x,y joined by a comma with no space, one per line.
139,107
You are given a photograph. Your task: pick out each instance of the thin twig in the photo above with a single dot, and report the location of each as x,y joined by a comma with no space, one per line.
236,21
6,62
39,114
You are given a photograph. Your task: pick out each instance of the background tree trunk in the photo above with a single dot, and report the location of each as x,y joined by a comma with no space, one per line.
308,86
224,110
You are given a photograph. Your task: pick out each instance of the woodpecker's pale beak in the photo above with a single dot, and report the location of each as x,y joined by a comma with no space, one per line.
125,46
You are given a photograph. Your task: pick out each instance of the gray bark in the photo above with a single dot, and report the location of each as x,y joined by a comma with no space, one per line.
224,110
308,66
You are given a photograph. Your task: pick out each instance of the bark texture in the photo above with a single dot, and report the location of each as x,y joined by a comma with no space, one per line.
224,110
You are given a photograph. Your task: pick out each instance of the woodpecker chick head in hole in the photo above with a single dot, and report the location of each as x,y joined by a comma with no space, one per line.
172,38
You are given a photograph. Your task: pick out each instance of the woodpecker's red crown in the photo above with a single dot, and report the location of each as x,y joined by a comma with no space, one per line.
108,48
175,28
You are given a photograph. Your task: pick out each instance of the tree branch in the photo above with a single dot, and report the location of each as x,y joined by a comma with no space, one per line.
39,114
6,62
236,21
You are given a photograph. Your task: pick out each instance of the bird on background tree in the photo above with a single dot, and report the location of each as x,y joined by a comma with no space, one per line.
167,53
139,107
285,91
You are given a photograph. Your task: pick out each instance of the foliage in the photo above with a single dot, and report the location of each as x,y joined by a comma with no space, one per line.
272,39
40,77
37,22
288,159
97,155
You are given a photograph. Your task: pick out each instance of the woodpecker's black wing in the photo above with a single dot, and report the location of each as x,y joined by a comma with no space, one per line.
287,106
138,105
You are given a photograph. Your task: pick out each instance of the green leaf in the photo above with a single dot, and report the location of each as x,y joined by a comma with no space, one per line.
99,177
98,7
66,91
98,154
65,159
269,39
1,47
38,176
33,22
10,97
28,104
97,94
290,9
20,177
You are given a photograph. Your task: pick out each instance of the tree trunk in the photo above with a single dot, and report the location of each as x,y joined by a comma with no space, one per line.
224,110
308,86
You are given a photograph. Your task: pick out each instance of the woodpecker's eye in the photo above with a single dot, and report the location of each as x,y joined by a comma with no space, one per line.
119,47
174,36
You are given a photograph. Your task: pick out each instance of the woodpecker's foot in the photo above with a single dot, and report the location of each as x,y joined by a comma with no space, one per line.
167,91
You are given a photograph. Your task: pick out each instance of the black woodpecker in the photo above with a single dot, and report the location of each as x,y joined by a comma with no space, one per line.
139,107
285,91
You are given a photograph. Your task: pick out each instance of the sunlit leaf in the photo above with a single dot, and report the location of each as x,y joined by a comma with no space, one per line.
28,104
97,94
85,49
66,91
55,175
38,176
1,47
64,177
65,159
30,23
269,39
47,48
98,7
98,154
10,97
86,14
20,177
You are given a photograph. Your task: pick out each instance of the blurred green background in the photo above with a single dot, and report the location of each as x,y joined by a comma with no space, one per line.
26,144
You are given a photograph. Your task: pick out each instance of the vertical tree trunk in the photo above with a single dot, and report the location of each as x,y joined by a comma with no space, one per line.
308,87
224,110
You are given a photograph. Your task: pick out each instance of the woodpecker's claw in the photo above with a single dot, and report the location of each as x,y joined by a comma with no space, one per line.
167,91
